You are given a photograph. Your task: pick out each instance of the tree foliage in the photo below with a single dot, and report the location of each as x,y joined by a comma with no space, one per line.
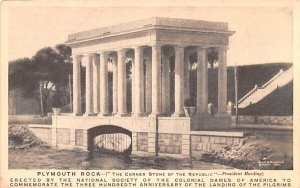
38,76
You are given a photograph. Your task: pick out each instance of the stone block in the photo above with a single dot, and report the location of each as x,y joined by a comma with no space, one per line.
134,146
217,140
197,153
206,147
162,149
194,138
200,146
63,136
205,139
151,144
169,136
229,140
177,151
194,146
184,148
145,147
151,135
167,141
236,141
185,137
223,140
216,147
163,136
170,149
185,142
175,136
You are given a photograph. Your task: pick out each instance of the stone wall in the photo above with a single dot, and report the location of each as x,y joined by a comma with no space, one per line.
79,137
201,143
42,132
274,120
170,143
142,141
63,136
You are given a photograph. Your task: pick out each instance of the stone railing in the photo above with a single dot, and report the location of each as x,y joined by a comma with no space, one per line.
272,79
248,94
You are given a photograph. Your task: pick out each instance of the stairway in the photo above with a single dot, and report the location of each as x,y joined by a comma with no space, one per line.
258,93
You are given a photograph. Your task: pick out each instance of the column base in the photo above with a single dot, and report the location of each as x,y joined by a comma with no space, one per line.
121,115
103,114
139,115
76,114
177,114
155,115
88,114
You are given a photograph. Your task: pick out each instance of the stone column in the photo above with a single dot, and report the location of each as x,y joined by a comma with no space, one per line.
179,79
165,84
96,83
122,108
148,86
77,86
88,85
202,82
138,99
132,86
115,85
103,84
222,82
156,80
186,76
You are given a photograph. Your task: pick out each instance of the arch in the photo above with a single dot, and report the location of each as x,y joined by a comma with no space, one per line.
107,129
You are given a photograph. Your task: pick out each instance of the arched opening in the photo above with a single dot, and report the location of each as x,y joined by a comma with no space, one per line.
110,138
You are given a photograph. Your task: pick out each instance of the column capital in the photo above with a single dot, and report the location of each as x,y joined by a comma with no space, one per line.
121,50
179,46
138,47
85,54
102,52
202,47
94,54
77,55
225,48
156,45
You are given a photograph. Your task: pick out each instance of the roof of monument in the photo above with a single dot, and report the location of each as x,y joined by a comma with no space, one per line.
154,22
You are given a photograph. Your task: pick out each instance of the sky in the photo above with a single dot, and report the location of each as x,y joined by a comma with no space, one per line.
262,34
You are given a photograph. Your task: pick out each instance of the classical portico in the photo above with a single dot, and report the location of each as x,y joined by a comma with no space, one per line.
137,77
153,42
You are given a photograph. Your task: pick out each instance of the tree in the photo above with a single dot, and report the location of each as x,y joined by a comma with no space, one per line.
65,53
19,74
41,74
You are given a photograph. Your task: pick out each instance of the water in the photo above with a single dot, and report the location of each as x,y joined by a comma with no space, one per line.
48,158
